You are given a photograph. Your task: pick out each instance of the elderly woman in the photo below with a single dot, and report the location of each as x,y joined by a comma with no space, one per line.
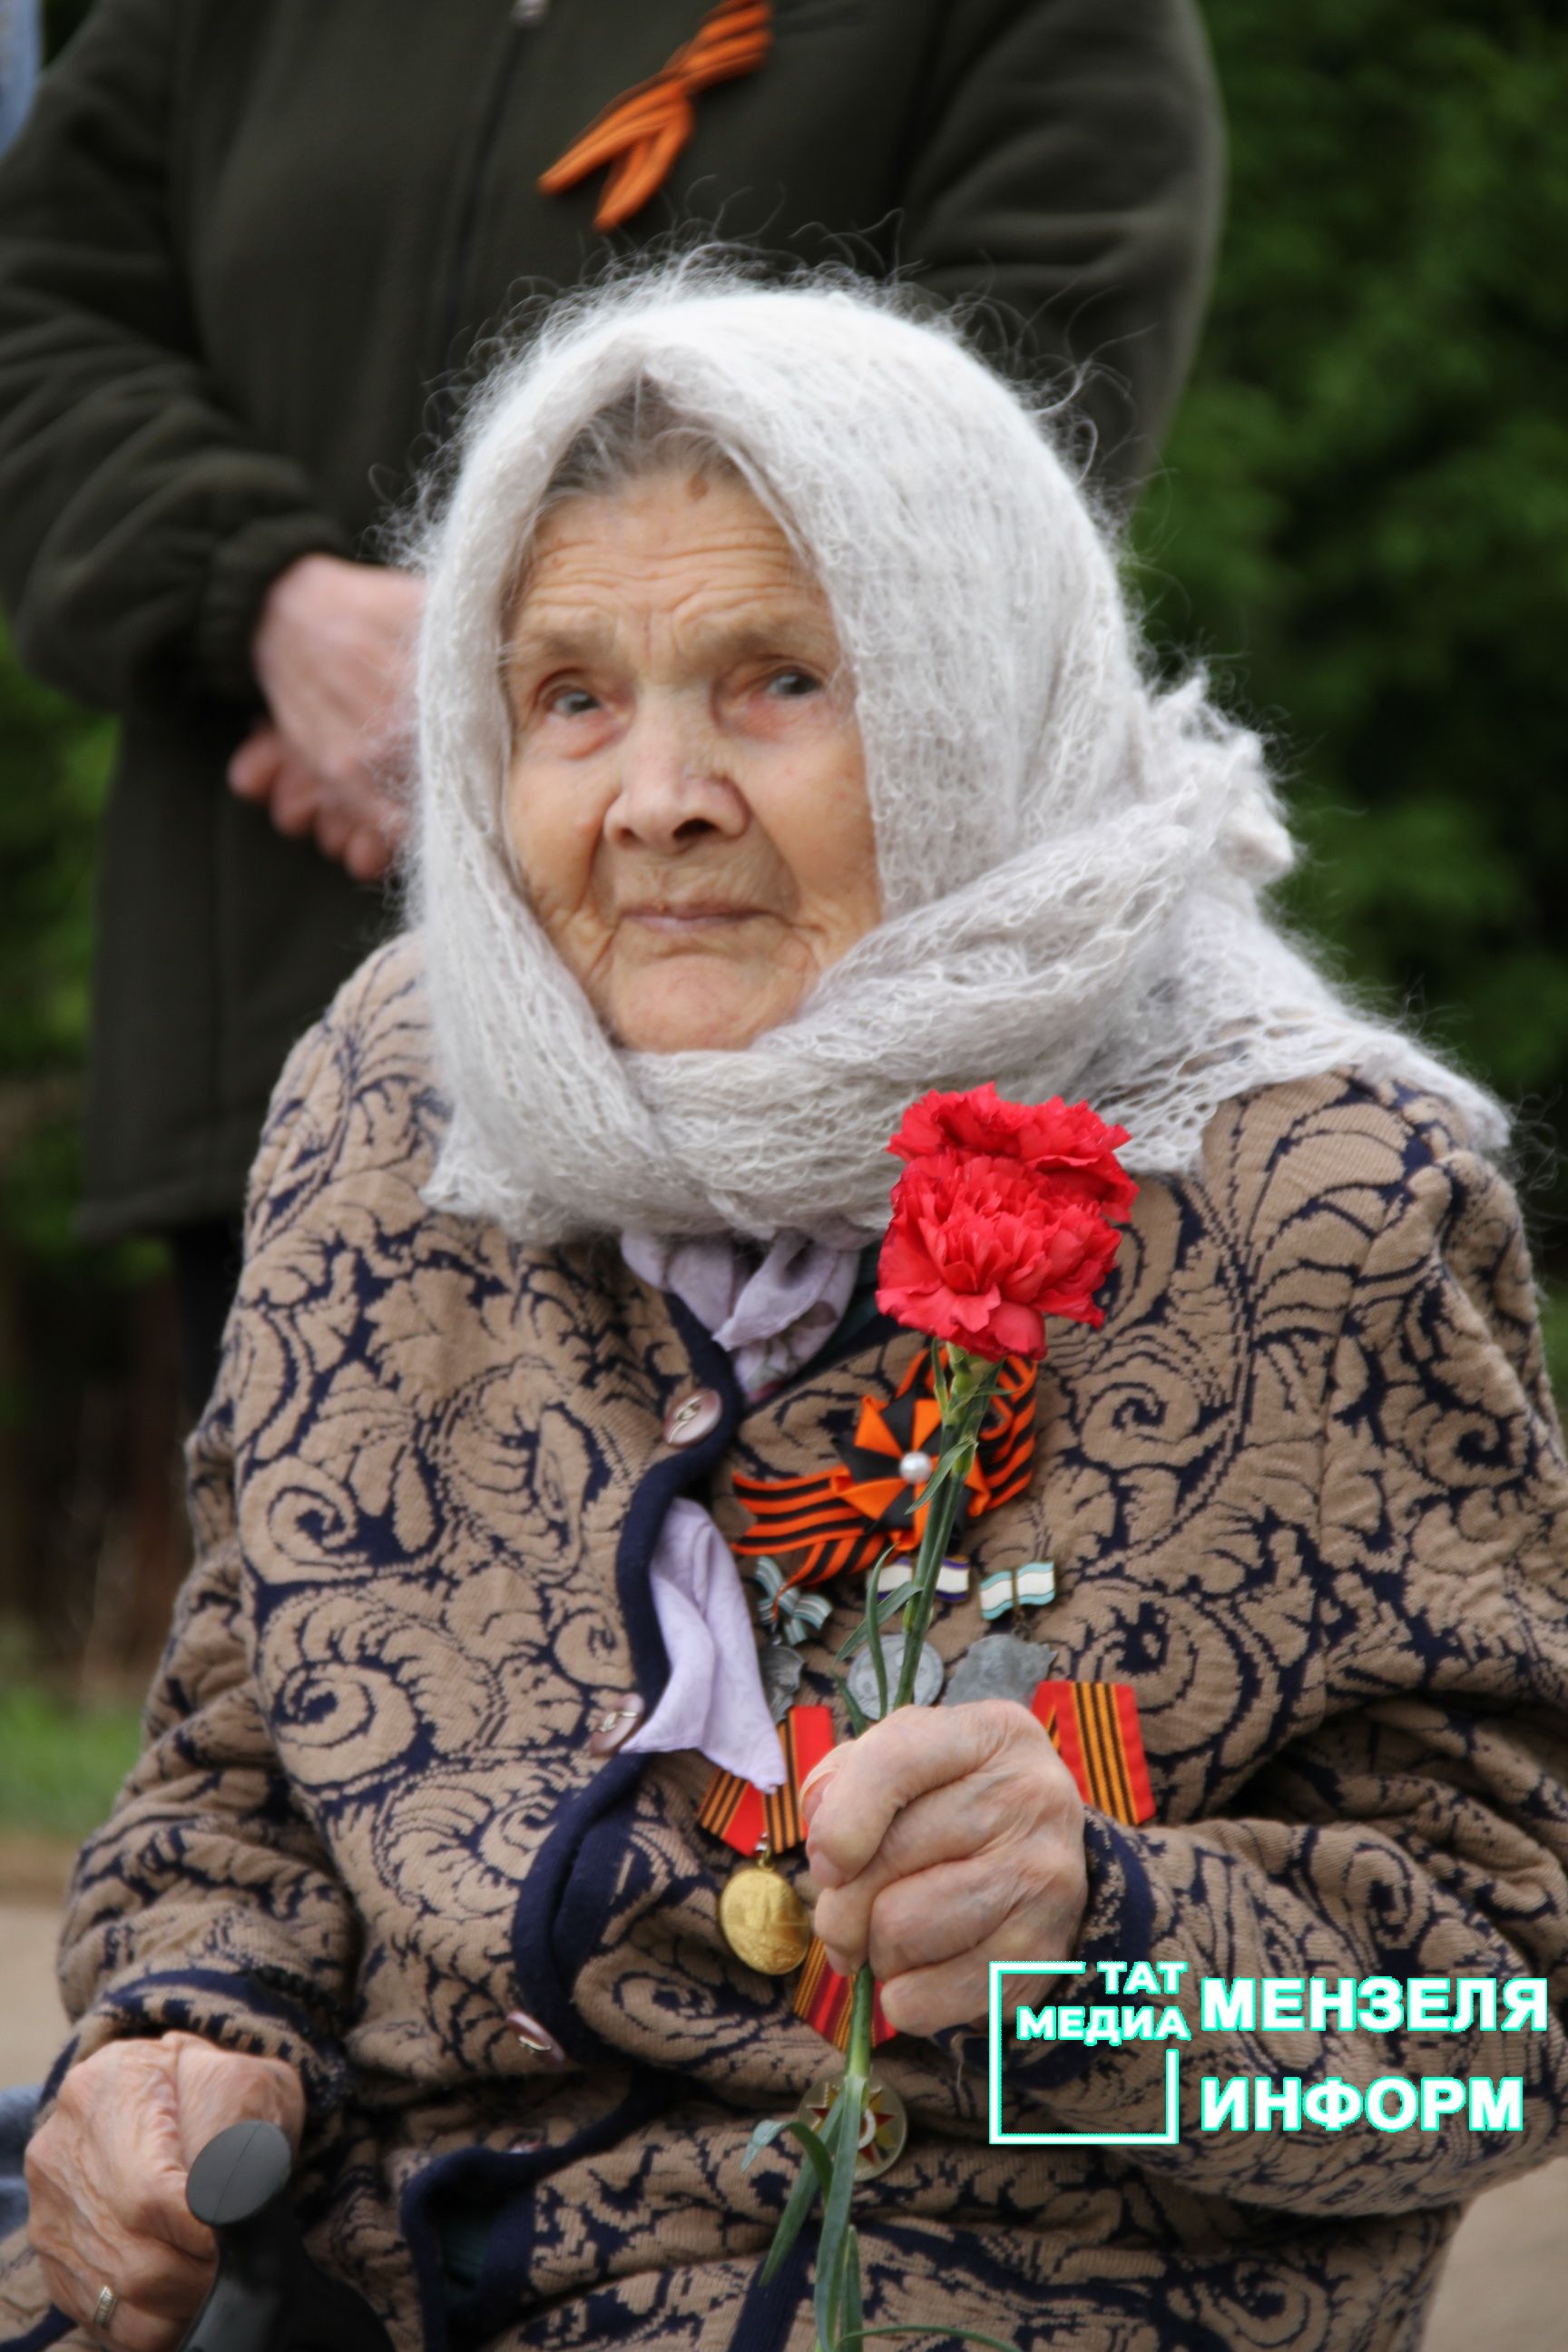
786,752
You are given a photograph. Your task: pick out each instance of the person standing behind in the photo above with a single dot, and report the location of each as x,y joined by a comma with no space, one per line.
246,255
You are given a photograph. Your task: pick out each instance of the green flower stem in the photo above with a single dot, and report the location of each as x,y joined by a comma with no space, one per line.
964,1385
836,2248
965,1394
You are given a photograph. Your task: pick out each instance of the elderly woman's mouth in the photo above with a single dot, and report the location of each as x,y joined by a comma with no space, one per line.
685,922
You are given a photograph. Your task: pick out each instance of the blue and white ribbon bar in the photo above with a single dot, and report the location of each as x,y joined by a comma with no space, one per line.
1029,1587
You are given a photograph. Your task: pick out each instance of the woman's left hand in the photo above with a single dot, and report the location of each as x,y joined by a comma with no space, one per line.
943,1839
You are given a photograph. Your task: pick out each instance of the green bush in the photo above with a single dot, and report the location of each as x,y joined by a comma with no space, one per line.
1364,521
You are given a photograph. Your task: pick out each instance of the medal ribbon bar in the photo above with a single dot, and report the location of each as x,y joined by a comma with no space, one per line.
738,1811
1094,1728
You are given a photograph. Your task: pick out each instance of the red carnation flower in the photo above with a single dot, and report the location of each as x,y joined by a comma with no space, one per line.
980,1252
1054,1138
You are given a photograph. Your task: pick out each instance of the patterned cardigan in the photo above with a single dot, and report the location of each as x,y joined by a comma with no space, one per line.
1305,1492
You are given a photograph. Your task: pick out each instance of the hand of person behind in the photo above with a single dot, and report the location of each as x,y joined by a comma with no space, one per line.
333,653
106,2178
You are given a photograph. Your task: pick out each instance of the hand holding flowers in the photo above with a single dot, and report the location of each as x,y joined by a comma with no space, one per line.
945,1840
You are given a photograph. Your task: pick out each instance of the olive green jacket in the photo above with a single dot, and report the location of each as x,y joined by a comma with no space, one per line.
247,247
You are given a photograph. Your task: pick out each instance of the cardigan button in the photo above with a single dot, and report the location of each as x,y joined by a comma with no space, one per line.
613,1723
535,2037
692,1417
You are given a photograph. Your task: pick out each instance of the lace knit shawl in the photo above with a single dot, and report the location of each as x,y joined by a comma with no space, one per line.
1071,858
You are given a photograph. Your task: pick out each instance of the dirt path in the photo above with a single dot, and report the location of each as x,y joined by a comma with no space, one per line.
1506,2285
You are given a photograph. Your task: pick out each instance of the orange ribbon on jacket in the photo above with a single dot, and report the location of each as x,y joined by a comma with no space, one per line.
641,134
845,1519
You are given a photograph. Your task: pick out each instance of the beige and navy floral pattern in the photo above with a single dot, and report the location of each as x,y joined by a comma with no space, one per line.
1305,1492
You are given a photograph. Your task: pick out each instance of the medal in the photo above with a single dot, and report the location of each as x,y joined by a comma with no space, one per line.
782,1669
763,1919
789,1617
884,2125
862,1675
998,1665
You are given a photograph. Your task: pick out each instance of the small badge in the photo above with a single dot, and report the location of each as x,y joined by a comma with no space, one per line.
884,2125
952,1579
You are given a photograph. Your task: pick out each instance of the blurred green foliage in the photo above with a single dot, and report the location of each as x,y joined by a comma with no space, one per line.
61,1765
53,770
1364,522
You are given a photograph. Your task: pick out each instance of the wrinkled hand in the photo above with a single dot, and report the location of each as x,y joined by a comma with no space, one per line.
943,1839
106,2177
333,653
360,823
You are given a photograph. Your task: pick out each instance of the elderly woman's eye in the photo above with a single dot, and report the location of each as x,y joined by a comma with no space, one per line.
569,701
788,685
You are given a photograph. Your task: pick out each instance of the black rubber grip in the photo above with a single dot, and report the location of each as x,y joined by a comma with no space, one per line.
269,2295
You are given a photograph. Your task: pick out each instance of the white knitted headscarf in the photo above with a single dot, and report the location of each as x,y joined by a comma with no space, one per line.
1070,860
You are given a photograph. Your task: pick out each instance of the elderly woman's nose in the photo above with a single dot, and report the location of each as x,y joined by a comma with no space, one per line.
673,783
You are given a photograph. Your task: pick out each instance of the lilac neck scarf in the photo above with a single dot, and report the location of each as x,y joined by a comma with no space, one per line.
772,1318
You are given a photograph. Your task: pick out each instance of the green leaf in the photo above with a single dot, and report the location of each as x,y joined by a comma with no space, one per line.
848,2106
766,2132
792,2220
853,2308
818,2149
874,1635
888,1605
860,1720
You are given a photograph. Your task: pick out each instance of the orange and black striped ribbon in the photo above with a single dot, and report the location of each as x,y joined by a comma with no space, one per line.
640,134
739,1813
846,1516
1094,1727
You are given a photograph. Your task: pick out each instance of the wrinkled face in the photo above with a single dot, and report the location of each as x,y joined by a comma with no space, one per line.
687,793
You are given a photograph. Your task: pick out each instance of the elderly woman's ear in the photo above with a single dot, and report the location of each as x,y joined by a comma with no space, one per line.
687,792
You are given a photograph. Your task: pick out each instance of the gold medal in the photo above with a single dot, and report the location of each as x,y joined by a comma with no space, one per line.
763,1918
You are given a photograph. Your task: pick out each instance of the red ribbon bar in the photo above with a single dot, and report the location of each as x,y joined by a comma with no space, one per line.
1094,1727
738,1811
822,1997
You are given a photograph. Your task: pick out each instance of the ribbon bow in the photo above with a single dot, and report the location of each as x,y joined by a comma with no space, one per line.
784,1608
845,1518
641,134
